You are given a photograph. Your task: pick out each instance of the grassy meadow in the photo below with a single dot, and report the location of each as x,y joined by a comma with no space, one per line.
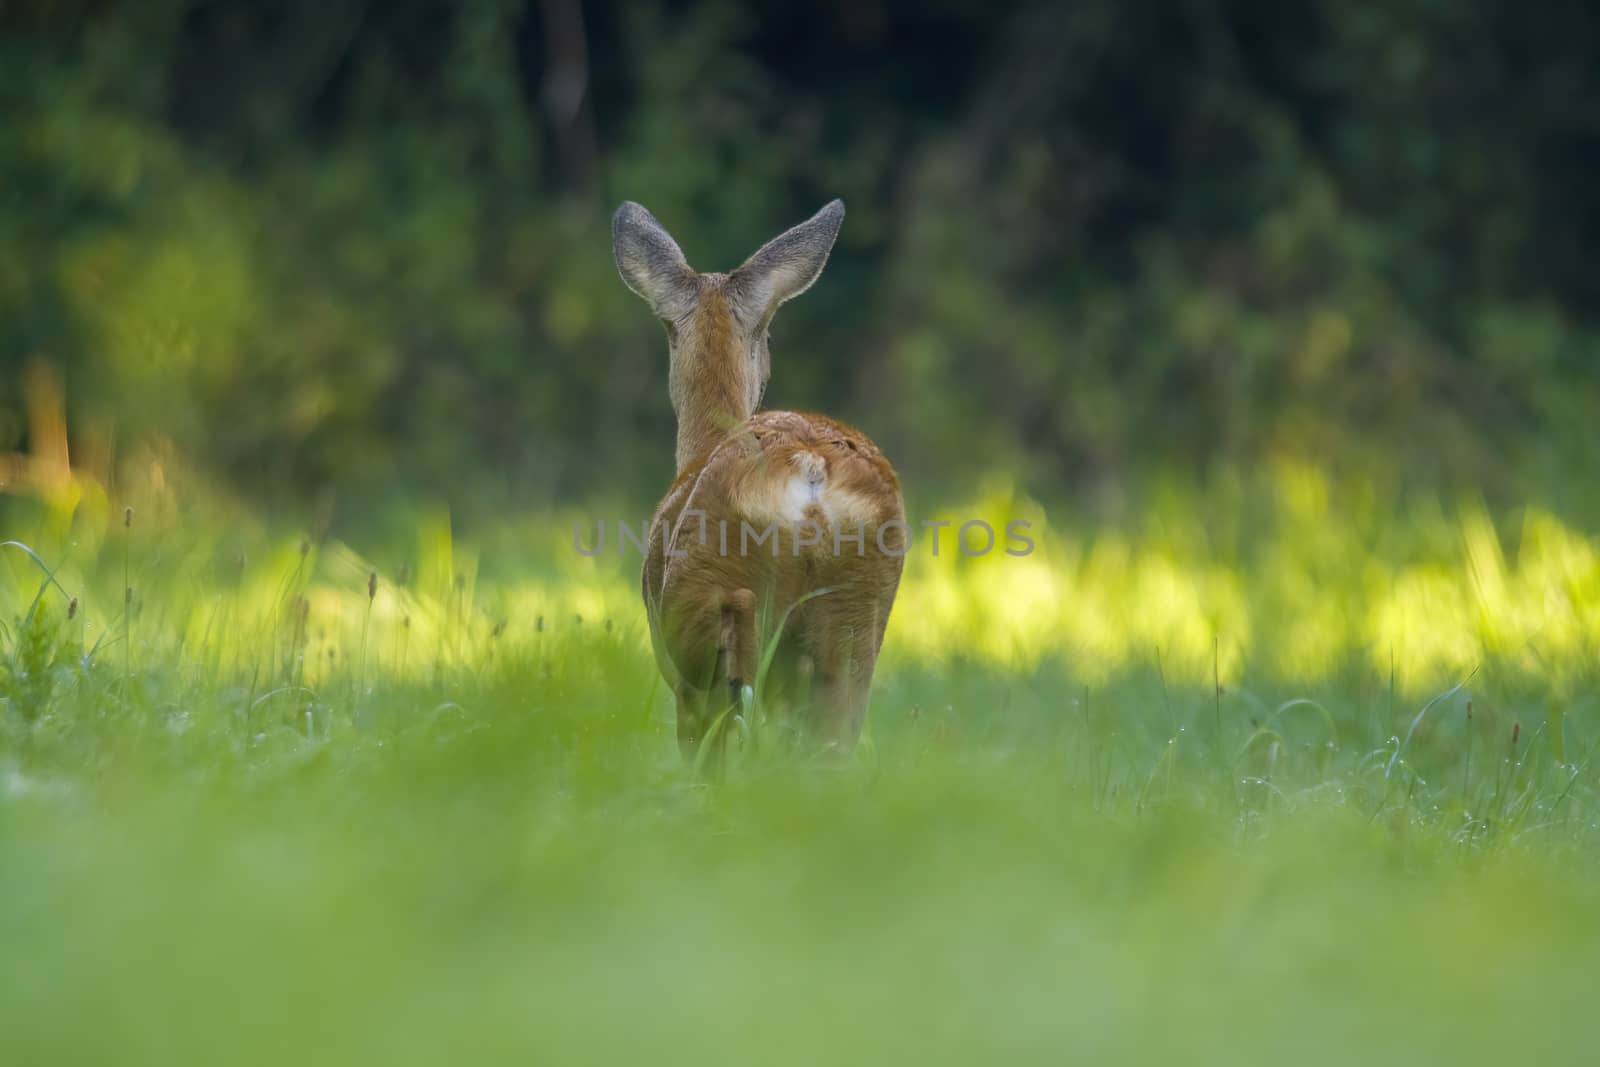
321,742
1272,774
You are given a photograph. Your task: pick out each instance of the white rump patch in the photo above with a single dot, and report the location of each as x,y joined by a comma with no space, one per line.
803,493
805,487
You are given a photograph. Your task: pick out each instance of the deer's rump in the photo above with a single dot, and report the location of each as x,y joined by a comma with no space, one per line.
786,505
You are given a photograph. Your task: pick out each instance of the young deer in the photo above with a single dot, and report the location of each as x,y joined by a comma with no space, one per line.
776,521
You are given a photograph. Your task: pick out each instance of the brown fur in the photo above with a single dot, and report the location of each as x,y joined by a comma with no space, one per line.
715,601
710,392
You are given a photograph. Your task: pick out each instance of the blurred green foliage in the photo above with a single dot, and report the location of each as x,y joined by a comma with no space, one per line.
1270,768
265,813
353,246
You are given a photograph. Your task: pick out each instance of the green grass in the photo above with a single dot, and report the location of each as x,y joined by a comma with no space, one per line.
449,824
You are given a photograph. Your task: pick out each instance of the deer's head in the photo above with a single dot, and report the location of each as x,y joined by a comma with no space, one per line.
717,323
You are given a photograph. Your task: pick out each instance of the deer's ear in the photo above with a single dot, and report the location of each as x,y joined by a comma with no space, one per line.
785,266
651,263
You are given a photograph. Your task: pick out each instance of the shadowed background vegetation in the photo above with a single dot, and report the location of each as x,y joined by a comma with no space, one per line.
320,743
348,248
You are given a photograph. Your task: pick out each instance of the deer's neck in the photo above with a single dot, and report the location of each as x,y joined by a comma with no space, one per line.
711,409
717,387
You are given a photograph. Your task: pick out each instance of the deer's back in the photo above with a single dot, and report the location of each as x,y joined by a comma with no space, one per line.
739,520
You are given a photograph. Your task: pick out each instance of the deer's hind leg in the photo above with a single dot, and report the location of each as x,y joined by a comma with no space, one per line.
847,657
691,716
706,710
737,646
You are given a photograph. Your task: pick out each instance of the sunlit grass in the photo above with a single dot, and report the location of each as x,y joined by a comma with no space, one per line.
1430,592
1182,789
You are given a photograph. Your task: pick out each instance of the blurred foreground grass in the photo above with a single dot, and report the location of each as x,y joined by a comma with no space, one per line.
273,814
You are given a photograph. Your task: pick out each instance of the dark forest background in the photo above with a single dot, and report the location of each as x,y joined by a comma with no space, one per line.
363,247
